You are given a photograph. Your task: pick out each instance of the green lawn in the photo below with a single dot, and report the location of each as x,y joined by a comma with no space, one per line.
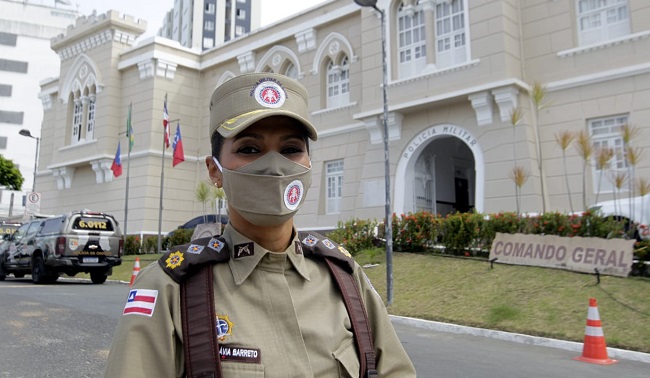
528,300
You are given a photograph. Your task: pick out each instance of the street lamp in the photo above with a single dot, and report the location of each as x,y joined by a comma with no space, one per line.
389,219
25,132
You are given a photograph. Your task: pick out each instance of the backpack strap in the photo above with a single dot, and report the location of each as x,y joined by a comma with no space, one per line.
341,265
190,265
200,343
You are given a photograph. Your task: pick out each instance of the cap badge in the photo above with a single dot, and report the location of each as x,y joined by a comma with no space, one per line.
293,194
269,94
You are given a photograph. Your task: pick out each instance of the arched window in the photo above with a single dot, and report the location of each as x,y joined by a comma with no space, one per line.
338,83
291,71
77,112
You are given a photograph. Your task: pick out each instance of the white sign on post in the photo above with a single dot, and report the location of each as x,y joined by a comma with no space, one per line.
33,203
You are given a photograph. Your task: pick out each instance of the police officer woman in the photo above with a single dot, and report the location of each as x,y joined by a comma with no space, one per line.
279,310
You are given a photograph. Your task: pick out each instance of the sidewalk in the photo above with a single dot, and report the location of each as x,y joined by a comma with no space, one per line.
515,337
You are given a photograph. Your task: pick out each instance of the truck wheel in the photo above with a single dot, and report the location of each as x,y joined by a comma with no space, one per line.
39,274
98,277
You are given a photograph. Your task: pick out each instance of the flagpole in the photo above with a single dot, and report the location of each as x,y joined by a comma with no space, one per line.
128,170
162,180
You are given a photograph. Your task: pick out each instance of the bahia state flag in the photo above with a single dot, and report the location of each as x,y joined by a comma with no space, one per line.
140,302
116,167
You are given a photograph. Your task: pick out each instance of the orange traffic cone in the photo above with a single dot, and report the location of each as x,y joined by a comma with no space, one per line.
136,270
594,349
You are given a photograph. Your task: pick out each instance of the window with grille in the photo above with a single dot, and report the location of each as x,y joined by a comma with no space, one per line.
338,83
451,43
601,20
334,185
90,127
411,37
606,133
76,121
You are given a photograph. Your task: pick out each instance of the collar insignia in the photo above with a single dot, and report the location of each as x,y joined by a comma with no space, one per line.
298,248
244,250
174,260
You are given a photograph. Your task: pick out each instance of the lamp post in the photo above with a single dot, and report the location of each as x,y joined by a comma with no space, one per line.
25,132
389,219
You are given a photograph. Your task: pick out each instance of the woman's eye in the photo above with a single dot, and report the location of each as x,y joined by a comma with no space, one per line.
247,150
292,150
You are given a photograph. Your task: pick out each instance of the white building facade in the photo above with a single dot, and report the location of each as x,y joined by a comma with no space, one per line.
26,59
456,72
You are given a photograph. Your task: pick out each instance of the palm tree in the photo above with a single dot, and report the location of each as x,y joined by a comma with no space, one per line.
585,149
516,115
628,133
603,156
619,180
202,194
564,139
644,189
519,175
633,155
537,95
217,195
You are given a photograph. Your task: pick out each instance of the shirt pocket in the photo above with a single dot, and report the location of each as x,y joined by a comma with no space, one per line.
241,370
347,359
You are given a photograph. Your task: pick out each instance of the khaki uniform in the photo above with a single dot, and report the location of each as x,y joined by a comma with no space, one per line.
279,315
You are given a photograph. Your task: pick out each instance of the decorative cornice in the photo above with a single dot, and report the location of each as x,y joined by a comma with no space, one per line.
102,169
335,109
506,99
482,104
597,46
431,71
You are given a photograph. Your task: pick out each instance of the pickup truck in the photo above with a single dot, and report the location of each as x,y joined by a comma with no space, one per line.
80,241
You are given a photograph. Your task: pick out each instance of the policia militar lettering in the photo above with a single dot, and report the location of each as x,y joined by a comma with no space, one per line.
261,300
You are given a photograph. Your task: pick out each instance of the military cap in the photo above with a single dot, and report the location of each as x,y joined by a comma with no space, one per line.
246,99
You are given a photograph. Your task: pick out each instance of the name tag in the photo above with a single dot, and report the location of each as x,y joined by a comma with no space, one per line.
239,354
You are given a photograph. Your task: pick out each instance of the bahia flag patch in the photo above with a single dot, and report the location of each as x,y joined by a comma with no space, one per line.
141,302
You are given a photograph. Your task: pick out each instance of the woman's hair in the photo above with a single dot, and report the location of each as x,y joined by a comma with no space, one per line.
216,141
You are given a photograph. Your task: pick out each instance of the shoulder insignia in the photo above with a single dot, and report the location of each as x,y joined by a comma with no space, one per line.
325,249
185,259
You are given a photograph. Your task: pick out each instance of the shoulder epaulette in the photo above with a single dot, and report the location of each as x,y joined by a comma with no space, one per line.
315,244
185,259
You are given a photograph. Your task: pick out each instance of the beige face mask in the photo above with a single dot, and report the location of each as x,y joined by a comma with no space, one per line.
268,191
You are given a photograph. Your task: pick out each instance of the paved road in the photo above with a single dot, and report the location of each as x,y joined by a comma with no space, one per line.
65,330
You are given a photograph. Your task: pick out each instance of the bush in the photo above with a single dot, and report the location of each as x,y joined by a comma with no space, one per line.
150,245
132,245
178,237
355,235
415,232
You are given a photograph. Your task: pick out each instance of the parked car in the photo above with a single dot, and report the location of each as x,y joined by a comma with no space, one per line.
192,223
638,213
80,241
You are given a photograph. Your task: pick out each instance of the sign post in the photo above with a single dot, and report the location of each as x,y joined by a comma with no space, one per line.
33,203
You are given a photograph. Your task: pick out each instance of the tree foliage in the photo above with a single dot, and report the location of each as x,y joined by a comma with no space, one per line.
10,175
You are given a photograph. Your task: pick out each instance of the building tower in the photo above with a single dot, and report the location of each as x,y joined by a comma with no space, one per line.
26,60
204,24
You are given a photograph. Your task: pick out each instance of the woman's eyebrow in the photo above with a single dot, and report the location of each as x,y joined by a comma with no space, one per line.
248,135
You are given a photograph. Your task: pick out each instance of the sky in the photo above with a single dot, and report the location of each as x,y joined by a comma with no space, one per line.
153,11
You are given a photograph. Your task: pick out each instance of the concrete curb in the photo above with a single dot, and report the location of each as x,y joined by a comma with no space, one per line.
515,338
